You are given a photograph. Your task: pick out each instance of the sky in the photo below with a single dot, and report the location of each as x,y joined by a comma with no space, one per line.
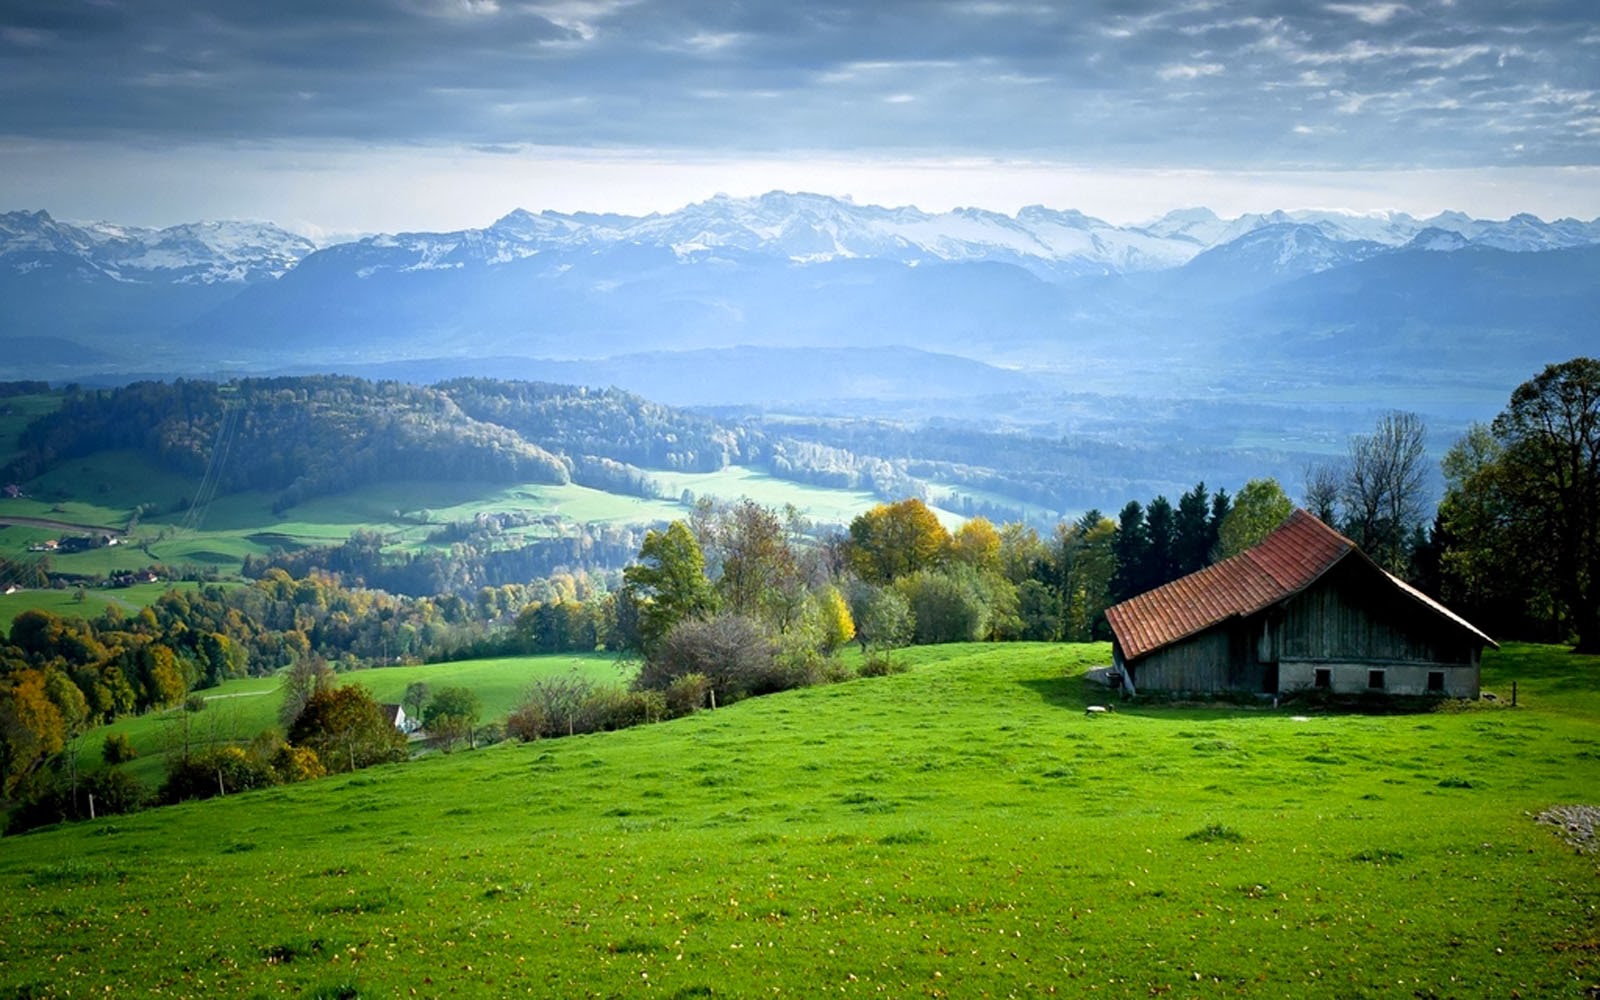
336,117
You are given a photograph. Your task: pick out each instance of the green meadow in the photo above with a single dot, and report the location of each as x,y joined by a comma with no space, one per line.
103,490
237,710
962,829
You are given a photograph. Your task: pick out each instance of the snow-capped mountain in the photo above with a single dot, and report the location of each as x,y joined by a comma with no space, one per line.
793,228
779,270
195,253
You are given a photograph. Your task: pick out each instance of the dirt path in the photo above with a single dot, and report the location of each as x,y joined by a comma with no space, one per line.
40,522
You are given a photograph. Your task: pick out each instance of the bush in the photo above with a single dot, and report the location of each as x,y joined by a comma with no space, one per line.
881,664
216,771
686,695
736,655
117,749
114,792
291,764
48,798
194,703
571,705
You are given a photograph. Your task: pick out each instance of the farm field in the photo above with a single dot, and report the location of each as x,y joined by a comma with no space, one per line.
65,603
102,491
962,829
236,710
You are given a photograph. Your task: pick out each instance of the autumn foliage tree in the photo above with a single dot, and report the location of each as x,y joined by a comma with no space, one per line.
347,729
894,540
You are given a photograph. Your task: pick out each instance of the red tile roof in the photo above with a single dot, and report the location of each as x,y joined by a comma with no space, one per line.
1294,556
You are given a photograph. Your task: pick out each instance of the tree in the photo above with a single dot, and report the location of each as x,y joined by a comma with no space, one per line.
732,651
833,614
945,606
1130,548
1324,485
1258,509
882,617
31,726
415,699
977,544
304,678
1193,534
1385,484
1085,566
347,729
894,540
668,584
759,573
1162,564
1531,498
451,716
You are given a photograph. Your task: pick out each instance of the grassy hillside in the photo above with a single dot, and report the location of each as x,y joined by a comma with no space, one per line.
238,709
964,829
103,489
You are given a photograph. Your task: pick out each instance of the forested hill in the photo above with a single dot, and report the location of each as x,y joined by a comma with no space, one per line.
298,437
603,423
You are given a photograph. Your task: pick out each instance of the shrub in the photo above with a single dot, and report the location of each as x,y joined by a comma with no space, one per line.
118,749
686,695
881,664
216,771
48,798
736,655
291,764
114,792
553,706
194,703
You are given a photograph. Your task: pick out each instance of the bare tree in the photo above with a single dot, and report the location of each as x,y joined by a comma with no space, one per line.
1324,484
1385,487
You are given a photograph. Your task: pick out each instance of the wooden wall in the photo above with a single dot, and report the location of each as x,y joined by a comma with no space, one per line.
1349,616
1352,619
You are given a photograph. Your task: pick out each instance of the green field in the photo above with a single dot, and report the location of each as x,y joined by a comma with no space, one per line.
102,491
239,709
964,829
65,603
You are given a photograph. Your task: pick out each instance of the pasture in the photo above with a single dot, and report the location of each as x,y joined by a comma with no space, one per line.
103,491
237,710
962,829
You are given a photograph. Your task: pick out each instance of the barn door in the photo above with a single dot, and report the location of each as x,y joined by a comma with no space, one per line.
1269,679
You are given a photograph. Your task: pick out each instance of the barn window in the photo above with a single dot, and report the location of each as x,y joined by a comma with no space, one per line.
1436,681
1375,679
1323,678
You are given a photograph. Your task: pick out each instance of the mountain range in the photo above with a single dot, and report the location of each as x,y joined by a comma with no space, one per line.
1040,290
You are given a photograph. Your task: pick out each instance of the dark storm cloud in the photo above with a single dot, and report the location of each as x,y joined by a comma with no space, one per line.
1214,84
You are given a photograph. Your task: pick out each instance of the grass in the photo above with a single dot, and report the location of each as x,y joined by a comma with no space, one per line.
961,829
236,710
65,603
103,490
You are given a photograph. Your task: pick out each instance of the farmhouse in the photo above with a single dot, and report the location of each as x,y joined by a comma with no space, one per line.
1303,609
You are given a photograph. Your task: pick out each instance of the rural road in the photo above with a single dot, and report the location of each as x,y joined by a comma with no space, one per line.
40,522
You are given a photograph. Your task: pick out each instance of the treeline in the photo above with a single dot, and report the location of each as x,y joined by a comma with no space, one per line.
480,554
297,437
603,423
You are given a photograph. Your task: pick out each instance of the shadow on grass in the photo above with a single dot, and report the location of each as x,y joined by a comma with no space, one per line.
1065,692
1076,693
1541,670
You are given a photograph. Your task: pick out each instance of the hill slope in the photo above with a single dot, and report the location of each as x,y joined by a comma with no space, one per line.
963,828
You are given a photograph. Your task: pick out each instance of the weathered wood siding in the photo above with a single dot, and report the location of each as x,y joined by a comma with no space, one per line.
1348,617
1220,659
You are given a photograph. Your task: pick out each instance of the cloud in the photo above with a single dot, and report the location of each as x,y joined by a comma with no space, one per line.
1189,72
1219,84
